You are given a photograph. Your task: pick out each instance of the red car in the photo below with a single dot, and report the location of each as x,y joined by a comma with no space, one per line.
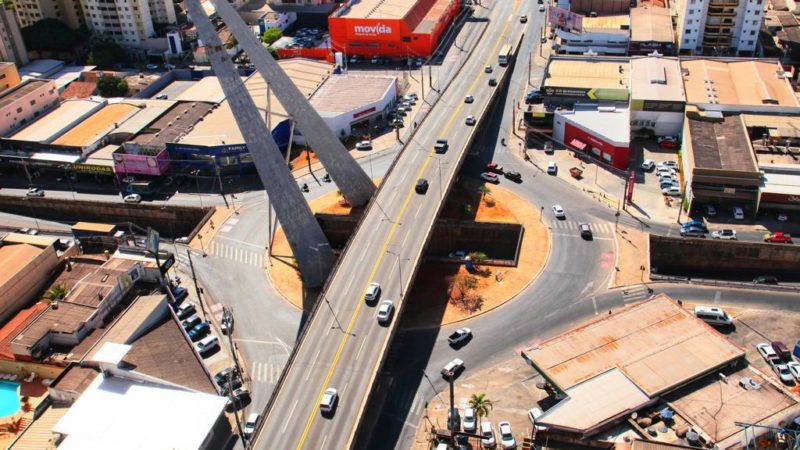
778,238
667,142
493,167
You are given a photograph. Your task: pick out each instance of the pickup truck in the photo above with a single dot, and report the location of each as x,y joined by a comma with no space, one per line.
460,335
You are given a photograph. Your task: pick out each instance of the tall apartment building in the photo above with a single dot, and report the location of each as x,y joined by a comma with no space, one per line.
32,11
718,27
128,22
12,48
9,76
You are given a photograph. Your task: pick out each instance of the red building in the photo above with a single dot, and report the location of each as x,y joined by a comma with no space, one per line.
399,28
601,132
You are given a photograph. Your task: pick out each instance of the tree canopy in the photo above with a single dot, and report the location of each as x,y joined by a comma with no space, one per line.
105,53
53,35
271,35
112,86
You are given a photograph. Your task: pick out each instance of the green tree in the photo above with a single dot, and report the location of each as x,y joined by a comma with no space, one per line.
274,52
478,258
105,53
231,42
57,292
484,190
53,35
481,405
109,86
271,35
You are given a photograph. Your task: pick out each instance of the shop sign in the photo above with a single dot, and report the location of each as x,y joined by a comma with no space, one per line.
92,168
372,30
364,112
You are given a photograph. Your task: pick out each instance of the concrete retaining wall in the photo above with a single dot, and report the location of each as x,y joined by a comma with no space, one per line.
174,221
683,255
498,240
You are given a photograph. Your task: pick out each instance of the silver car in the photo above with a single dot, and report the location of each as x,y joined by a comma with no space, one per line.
385,311
373,292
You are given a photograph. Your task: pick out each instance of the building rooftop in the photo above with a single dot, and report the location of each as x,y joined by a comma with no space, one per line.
68,74
220,128
343,93
79,89
93,288
15,258
587,73
119,413
158,347
148,111
206,89
15,325
97,126
378,9
656,78
594,402
656,344
254,10
39,434
606,24
609,123
432,17
41,68
75,379
179,121
719,144
63,318
103,157
49,126
651,24
739,81
715,405
780,183
11,95
40,241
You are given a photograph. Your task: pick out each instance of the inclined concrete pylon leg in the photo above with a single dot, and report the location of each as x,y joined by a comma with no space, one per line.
305,236
354,183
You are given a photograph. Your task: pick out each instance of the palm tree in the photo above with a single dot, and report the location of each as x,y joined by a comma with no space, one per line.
56,292
482,406
484,190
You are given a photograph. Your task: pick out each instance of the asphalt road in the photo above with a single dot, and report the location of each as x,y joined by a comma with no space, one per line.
343,344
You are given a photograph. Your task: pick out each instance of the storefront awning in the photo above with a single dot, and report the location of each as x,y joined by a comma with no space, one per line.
577,143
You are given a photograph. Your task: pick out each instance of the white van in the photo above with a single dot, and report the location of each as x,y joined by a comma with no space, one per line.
250,425
712,315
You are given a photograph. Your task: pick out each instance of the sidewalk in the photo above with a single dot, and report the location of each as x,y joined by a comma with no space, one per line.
202,240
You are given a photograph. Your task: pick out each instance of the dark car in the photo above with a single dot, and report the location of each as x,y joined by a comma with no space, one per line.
534,97
222,376
179,293
586,231
782,351
199,331
492,82
227,386
422,186
513,176
765,279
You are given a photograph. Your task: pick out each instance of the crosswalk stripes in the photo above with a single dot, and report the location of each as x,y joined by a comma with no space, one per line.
233,253
263,372
573,225
635,293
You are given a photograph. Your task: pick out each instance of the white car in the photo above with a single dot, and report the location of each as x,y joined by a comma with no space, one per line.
182,240
671,164
559,212
364,145
329,398
673,191
648,165
35,192
487,432
373,292
783,372
488,69
794,368
453,367
250,425
469,99
132,198
470,120
506,435
724,234
552,168
469,423
738,213
385,311
541,8
768,353
491,177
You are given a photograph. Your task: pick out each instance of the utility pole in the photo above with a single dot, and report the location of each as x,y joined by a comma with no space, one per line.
196,287
430,77
453,419
221,189
530,59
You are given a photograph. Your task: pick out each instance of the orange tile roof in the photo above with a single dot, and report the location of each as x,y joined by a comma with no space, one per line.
79,89
14,326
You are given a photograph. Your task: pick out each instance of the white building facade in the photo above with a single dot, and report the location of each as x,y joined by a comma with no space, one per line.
128,22
718,27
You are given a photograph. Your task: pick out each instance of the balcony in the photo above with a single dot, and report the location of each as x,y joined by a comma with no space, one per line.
721,12
723,3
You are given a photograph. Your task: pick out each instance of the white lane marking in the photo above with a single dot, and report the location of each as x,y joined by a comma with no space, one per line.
594,238
322,447
414,403
311,366
226,229
285,347
330,327
249,244
288,419
233,221
717,296
363,341
594,303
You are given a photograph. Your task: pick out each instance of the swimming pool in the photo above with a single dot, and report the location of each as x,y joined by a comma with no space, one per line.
9,398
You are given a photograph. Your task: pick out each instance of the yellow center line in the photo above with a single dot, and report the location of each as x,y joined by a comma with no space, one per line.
313,414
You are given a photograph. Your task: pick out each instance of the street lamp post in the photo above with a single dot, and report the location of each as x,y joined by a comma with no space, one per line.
202,247
196,174
399,270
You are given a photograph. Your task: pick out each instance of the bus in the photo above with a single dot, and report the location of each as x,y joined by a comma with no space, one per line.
505,55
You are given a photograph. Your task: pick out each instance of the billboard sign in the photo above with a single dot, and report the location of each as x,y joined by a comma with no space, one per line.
591,94
559,17
142,164
152,241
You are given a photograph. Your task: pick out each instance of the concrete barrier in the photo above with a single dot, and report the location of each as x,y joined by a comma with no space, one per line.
174,221
675,255
499,241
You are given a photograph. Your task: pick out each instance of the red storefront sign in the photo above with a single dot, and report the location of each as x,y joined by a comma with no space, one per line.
364,112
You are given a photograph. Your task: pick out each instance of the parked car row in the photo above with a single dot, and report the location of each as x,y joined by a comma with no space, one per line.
777,356
305,38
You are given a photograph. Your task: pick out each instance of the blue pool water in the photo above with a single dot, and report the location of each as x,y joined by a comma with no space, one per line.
9,398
